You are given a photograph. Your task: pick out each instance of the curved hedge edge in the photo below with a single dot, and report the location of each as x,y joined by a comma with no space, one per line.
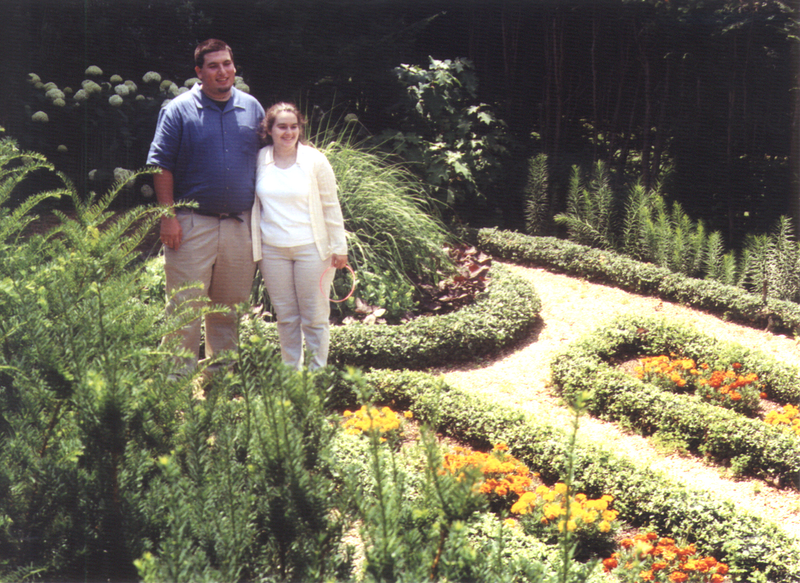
500,317
748,543
630,275
759,449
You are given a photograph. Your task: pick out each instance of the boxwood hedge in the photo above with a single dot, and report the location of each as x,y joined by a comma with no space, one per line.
625,273
754,548
501,316
749,444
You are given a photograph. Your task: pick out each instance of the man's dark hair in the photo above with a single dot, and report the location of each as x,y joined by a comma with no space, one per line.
211,45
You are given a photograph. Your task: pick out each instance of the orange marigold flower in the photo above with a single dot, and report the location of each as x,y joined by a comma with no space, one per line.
722,568
678,576
717,578
610,563
626,543
736,366
647,576
659,566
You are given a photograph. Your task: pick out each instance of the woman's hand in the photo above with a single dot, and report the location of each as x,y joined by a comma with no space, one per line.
338,261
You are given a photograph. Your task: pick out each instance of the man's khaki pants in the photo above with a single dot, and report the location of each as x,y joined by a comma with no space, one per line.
218,254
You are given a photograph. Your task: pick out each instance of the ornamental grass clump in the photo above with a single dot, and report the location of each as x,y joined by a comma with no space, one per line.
726,387
646,557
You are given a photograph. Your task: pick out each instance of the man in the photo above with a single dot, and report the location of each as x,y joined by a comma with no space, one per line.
206,144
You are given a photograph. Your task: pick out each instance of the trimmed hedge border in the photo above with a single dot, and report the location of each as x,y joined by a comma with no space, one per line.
610,268
724,435
500,317
748,543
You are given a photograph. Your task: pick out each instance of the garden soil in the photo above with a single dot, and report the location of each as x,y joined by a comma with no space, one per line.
571,307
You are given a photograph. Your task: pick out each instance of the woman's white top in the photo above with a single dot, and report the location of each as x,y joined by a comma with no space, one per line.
327,223
285,218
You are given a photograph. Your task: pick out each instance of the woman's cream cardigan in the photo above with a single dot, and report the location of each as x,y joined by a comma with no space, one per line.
327,222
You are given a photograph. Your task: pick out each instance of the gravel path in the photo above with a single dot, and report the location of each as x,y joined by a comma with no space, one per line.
572,307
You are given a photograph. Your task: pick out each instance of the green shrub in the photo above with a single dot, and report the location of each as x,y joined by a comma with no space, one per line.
500,317
643,278
454,143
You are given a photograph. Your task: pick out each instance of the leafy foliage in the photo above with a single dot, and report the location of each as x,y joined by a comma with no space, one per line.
590,209
536,195
455,144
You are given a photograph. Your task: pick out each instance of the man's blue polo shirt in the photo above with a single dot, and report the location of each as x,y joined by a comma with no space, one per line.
211,153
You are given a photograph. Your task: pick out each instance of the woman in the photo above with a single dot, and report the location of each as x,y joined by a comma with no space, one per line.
298,233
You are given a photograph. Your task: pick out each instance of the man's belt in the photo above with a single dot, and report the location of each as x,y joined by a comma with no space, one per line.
220,216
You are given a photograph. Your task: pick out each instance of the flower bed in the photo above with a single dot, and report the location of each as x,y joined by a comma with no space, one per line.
745,542
749,445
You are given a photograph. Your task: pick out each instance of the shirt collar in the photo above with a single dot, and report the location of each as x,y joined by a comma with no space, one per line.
202,100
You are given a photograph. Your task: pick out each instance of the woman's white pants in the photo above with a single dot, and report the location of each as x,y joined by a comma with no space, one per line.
292,278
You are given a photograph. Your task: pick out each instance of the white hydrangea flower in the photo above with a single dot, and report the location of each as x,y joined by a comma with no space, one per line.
242,86
131,86
33,78
94,71
40,117
92,174
183,90
81,95
39,85
54,93
122,174
165,85
115,79
350,118
115,101
122,90
140,98
174,90
151,77
59,102
68,91
147,191
191,82
62,149
50,85
91,87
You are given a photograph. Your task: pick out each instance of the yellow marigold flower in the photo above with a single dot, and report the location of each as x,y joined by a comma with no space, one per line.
408,415
604,526
549,496
500,447
610,515
580,498
560,488
589,516
510,522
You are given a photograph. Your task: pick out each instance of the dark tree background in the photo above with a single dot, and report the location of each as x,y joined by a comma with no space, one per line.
707,87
